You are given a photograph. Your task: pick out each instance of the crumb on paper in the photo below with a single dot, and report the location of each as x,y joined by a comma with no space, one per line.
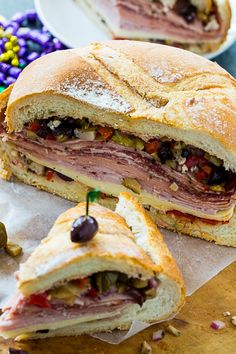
158,335
174,187
233,320
172,330
217,325
226,313
146,348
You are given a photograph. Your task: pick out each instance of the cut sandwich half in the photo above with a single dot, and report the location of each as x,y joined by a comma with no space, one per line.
125,272
157,121
199,26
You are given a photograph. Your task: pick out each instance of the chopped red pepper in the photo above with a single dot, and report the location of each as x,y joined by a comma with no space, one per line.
39,300
201,175
152,146
49,175
92,293
34,127
106,132
195,161
207,169
51,137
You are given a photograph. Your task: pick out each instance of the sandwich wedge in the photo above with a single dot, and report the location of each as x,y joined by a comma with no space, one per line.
125,272
149,119
199,26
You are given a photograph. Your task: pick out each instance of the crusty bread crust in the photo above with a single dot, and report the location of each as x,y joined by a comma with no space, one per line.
136,87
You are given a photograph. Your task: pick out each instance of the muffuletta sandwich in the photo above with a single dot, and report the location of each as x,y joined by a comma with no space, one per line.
157,121
199,26
93,277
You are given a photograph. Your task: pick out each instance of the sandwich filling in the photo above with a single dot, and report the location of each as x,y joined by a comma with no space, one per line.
180,176
102,295
179,19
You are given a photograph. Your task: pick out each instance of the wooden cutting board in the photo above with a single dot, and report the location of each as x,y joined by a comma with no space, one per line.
207,304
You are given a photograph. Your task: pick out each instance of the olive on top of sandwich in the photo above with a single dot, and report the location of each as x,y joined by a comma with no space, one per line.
197,25
154,120
69,286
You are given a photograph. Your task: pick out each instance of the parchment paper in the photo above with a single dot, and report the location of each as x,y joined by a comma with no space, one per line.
29,214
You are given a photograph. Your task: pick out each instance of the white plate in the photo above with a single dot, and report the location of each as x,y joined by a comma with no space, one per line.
67,21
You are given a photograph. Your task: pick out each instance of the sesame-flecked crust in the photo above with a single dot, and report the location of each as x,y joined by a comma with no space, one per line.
113,248
147,89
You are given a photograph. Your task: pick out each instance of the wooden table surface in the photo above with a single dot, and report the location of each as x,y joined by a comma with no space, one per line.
207,304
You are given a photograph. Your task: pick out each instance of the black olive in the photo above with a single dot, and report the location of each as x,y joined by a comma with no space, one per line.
185,9
189,14
71,121
165,152
83,229
65,178
185,153
69,131
218,175
42,132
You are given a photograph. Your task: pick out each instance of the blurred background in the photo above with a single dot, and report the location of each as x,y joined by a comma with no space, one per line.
58,27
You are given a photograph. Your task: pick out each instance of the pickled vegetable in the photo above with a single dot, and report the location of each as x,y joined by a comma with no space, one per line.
139,283
132,184
13,249
62,293
3,235
139,144
123,139
151,293
106,280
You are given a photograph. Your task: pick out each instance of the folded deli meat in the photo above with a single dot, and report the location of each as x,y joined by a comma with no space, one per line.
197,25
68,288
122,116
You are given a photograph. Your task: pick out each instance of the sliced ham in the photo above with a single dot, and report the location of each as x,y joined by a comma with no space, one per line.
110,162
108,306
151,17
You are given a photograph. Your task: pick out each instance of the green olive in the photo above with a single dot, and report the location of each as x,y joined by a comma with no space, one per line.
123,140
132,184
121,287
139,283
139,144
123,278
13,249
106,280
151,293
3,235
99,282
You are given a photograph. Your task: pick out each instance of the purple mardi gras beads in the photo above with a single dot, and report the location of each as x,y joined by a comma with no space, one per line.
23,39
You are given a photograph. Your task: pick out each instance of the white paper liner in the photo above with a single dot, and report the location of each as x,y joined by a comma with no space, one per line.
29,214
